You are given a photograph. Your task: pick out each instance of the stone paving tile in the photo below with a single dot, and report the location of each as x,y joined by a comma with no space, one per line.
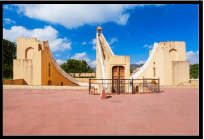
74,112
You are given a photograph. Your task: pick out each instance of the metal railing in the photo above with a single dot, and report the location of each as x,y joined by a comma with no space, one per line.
124,86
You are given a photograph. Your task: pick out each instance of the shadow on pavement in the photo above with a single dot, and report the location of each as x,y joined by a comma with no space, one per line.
107,97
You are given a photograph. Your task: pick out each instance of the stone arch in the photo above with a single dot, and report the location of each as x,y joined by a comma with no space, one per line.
27,50
173,49
174,54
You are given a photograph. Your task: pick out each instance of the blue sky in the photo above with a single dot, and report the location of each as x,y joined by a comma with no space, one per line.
130,29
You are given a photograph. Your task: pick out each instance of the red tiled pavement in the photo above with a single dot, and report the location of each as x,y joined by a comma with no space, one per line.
74,112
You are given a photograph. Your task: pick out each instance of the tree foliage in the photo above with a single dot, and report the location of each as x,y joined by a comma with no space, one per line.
9,53
76,66
131,70
194,71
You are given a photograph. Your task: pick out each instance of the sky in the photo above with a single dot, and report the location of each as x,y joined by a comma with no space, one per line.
130,29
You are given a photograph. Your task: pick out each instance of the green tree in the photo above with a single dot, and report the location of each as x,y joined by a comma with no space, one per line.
130,70
9,53
89,69
76,66
194,71
83,66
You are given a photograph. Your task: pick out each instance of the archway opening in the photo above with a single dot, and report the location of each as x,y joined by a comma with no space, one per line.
174,54
49,82
26,52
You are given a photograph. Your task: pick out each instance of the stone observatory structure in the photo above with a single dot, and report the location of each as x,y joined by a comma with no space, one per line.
167,61
37,66
110,66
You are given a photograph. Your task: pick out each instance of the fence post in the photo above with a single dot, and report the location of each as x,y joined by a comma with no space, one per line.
153,86
132,87
159,85
89,85
119,84
112,86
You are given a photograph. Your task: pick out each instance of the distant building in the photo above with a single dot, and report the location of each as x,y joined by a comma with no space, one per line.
135,66
136,70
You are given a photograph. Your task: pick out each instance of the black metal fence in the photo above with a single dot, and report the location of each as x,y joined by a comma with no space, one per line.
124,86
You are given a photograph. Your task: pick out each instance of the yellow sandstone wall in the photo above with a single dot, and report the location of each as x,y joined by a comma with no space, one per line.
180,70
168,62
118,61
14,82
23,69
195,82
32,62
28,62
159,59
109,60
55,77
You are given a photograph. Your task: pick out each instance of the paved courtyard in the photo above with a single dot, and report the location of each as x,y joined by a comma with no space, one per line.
74,112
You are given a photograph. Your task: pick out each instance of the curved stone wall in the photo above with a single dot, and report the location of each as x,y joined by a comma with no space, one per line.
59,69
144,67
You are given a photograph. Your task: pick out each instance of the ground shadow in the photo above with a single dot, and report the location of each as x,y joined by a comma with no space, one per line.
107,97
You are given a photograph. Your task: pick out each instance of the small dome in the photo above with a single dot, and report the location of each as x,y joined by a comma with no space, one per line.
99,28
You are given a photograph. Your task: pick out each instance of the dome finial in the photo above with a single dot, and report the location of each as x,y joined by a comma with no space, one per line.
99,28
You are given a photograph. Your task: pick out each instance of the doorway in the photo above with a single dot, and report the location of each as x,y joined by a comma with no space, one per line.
118,84
49,82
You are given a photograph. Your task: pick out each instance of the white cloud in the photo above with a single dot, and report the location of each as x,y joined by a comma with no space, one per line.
158,5
193,60
7,7
77,56
148,46
9,21
93,63
141,62
84,43
60,62
189,54
81,56
94,47
60,44
84,56
192,57
76,15
93,42
58,55
122,20
46,33
112,40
